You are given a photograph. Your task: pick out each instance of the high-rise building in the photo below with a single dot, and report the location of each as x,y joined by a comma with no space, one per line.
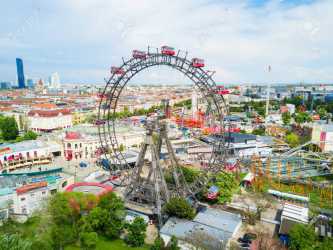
20,73
54,81
5,85
30,83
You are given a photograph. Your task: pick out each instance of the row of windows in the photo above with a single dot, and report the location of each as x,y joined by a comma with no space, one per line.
69,145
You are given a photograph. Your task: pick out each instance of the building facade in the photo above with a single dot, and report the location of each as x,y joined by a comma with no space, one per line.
49,120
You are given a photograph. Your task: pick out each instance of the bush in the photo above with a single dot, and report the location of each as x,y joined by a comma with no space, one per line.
136,232
179,208
226,182
30,135
259,131
302,237
292,139
173,244
88,241
158,244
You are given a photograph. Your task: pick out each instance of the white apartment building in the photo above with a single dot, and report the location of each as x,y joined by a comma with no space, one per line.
48,120
30,197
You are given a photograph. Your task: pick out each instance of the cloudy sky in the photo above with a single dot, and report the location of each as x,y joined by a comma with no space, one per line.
81,39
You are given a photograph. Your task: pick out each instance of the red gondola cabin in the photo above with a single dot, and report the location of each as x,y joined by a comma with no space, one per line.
224,92
169,51
137,54
213,193
117,70
99,122
198,63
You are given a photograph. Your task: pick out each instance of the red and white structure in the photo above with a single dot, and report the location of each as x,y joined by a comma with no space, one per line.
49,120
80,147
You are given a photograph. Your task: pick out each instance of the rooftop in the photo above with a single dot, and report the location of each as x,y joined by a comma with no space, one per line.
219,224
49,113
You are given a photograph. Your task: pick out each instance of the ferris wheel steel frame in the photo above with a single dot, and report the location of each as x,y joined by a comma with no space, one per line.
116,83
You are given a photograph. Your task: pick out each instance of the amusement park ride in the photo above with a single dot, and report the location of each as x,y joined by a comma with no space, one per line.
145,184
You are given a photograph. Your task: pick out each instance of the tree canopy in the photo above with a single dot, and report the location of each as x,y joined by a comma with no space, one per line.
286,118
136,232
226,182
302,237
179,207
8,128
293,139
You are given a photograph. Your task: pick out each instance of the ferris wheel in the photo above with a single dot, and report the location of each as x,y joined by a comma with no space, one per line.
146,181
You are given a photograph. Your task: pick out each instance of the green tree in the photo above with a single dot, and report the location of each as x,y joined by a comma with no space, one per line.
326,244
14,242
286,118
302,237
136,232
258,131
226,182
158,244
179,207
88,240
322,112
115,217
173,244
302,117
292,139
190,174
9,129
30,135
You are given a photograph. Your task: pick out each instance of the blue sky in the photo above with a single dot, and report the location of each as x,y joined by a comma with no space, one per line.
81,39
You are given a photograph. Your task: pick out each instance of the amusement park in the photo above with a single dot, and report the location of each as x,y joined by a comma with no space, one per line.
166,125
196,150
187,168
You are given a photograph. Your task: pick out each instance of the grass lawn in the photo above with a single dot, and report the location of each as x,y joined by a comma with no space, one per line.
104,244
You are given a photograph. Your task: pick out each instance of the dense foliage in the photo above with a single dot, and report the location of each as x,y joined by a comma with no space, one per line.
136,232
258,131
303,237
8,128
227,183
292,139
302,117
179,207
14,242
72,219
286,118
9,131
190,174
185,103
159,244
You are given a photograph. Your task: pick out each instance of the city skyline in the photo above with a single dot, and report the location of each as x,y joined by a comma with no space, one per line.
233,35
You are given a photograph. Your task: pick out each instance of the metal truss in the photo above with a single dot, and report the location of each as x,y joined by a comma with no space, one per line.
107,109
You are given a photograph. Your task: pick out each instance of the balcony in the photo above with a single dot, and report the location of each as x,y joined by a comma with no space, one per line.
25,163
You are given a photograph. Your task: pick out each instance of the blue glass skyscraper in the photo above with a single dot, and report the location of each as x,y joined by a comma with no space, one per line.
20,73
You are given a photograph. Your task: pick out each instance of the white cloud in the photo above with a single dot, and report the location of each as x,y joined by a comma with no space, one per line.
237,41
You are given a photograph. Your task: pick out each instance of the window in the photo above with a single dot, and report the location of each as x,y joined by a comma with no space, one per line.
68,145
75,146
64,184
23,199
80,145
43,192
